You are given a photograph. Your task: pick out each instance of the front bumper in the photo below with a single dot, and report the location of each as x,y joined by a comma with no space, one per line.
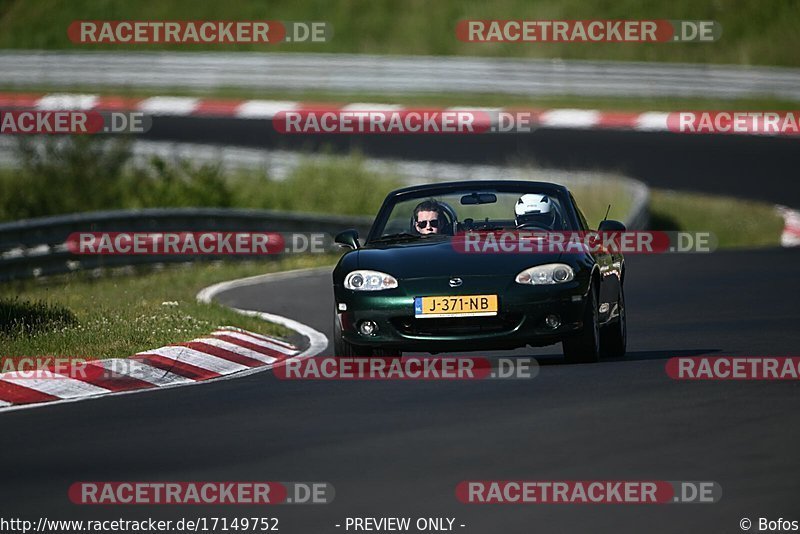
520,320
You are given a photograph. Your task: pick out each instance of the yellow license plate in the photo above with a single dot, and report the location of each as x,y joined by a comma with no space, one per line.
460,306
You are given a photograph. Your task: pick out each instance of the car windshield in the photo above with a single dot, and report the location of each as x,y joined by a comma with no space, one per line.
473,210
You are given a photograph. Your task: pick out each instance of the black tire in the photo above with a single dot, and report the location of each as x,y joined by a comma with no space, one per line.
585,347
614,337
344,349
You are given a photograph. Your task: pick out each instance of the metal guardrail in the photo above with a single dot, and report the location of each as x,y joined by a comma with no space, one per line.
36,247
394,74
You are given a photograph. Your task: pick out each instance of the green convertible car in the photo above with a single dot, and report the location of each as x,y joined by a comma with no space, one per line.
475,265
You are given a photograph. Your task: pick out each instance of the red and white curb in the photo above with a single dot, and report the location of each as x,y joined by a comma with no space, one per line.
790,237
226,351
652,121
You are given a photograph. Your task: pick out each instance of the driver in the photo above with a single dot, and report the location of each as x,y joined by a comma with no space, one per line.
535,210
428,217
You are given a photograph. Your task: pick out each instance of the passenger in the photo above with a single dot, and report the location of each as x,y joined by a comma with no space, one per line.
535,210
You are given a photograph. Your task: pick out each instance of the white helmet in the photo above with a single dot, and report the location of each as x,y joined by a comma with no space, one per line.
533,208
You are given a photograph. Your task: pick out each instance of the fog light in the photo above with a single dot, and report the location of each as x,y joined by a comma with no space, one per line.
553,321
368,328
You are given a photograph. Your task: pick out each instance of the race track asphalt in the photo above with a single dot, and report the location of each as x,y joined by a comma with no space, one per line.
400,448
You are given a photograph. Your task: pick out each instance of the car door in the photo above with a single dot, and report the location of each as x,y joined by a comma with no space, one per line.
610,272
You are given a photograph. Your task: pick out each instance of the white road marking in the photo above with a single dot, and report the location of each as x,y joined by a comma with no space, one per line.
570,118
168,105
655,121
317,341
264,109
56,101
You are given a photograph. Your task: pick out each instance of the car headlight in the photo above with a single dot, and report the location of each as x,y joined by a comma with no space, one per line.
552,273
369,281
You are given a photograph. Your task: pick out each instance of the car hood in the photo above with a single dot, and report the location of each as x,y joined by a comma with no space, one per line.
438,257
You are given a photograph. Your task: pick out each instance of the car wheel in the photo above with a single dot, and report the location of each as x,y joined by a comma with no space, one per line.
343,348
614,337
585,347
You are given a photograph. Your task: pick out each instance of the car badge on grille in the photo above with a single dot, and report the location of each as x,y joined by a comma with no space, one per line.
455,282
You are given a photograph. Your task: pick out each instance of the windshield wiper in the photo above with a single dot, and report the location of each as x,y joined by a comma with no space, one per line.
402,236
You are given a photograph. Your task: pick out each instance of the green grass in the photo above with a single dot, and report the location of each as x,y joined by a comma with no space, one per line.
339,185
736,223
23,317
78,315
754,32
594,198
56,183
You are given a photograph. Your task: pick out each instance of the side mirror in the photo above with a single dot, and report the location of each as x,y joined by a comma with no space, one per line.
611,226
348,238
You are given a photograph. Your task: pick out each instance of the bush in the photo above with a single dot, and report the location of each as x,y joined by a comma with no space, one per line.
64,176
340,185
179,185
85,173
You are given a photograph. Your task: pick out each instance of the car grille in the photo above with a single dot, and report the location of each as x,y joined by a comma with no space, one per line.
453,326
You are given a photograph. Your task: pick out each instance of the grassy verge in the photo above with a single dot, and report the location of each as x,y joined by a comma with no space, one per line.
594,198
340,185
630,104
55,182
736,223
23,317
117,316
753,32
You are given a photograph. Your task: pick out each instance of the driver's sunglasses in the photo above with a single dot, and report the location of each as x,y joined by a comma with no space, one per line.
424,224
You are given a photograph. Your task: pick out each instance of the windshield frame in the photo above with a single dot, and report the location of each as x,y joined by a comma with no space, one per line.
482,186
